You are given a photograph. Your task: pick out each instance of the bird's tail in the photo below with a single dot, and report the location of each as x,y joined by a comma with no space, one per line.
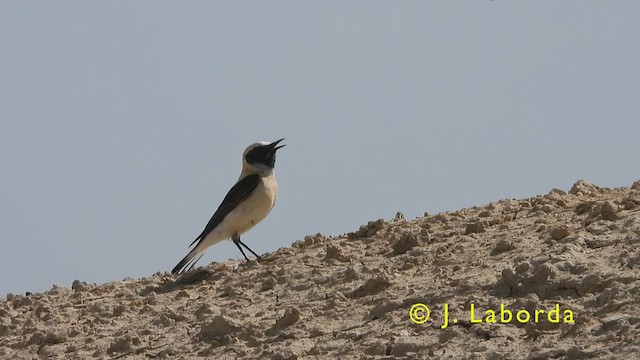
189,261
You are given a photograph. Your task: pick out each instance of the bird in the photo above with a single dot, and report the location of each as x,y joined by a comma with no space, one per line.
248,202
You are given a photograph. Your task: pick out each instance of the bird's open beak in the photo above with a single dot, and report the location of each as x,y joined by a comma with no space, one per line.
273,145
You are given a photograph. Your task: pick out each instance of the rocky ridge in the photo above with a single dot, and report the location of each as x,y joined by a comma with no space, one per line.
349,296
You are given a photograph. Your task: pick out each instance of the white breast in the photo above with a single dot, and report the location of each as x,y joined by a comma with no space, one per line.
254,209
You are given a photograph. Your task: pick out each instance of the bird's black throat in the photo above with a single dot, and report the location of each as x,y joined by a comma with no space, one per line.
263,154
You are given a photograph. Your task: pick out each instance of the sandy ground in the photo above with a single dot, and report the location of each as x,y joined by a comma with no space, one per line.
349,297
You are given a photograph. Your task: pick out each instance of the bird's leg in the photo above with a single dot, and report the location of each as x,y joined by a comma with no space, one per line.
238,242
258,257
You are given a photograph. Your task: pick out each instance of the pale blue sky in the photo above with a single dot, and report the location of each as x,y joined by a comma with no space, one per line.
122,123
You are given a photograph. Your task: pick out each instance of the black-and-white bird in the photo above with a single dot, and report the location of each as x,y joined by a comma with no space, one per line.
248,202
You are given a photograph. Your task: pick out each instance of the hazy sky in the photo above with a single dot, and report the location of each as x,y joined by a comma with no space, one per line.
122,123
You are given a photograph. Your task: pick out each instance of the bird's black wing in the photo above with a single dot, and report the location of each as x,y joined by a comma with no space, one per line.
238,193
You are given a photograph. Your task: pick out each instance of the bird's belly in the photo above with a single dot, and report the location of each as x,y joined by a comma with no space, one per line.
253,210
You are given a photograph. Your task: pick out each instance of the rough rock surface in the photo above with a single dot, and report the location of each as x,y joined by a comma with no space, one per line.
348,297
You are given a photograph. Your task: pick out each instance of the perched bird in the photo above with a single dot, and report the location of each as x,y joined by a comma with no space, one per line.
248,202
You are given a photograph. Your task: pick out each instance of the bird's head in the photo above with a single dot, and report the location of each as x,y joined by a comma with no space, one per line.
260,157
